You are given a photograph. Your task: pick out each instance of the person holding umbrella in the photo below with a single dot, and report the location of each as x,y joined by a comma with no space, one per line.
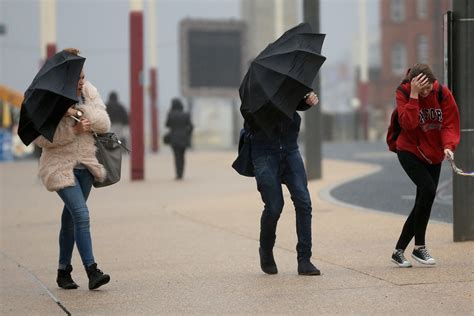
60,111
276,86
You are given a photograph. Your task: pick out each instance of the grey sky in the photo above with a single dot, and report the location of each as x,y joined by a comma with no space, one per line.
100,29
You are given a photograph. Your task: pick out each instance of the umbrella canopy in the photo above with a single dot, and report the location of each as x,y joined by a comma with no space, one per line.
280,76
52,92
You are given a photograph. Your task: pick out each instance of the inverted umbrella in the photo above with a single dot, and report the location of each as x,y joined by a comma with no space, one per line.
52,92
280,76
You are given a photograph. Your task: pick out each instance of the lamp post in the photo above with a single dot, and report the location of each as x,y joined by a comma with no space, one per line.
47,29
312,116
152,57
136,89
462,77
363,83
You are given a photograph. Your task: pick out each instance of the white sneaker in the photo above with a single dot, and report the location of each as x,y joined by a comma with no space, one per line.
423,256
399,259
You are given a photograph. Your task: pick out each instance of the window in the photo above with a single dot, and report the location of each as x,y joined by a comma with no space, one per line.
422,9
422,49
397,10
399,59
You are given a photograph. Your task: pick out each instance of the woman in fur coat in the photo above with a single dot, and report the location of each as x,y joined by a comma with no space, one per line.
68,166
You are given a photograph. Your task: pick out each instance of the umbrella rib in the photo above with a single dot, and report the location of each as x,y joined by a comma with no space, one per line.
275,44
40,73
270,98
289,52
279,72
55,92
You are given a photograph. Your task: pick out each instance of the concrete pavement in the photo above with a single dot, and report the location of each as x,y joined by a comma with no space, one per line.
191,247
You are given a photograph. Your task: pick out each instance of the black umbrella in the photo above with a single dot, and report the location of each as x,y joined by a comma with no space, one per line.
52,92
280,76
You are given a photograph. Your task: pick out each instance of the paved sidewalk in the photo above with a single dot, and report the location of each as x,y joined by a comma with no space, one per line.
191,247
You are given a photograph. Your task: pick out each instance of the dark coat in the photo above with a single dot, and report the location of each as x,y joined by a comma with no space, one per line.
285,133
181,128
116,110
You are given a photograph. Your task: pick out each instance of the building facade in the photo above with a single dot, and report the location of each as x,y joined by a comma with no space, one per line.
411,32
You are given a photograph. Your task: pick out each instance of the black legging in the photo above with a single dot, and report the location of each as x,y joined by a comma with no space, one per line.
425,177
179,161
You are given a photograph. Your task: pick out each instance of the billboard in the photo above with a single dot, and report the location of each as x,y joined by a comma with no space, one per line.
211,57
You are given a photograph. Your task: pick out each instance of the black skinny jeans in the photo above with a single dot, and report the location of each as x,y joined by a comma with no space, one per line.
425,177
179,160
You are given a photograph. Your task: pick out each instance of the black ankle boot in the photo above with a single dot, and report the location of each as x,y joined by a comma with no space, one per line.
305,267
267,262
65,280
96,277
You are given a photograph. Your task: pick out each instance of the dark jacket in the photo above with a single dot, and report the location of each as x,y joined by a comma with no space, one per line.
284,136
180,126
116,110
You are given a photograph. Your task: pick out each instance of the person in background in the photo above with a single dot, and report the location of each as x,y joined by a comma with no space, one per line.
179,136
118,117
68,166
429,133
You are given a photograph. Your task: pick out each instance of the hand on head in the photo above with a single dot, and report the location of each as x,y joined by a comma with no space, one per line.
420,85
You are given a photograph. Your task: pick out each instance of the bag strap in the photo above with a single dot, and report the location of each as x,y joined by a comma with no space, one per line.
405,92
440,93
96,136
115,140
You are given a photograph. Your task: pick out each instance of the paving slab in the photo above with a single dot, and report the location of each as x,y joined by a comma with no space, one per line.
191,247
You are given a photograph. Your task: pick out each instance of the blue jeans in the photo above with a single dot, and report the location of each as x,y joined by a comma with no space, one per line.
274,166
75,224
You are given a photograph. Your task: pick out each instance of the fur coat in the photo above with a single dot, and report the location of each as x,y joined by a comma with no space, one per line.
68,149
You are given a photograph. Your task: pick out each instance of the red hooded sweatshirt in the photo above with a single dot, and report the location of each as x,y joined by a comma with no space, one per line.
427,127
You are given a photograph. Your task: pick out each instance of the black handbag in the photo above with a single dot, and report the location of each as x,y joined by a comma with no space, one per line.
167,138
109,154
243,163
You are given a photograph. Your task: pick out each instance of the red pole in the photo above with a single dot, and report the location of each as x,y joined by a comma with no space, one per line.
364,99
154,110
136,95
50,50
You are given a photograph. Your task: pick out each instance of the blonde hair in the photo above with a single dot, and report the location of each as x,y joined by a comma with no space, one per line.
421,69
73,51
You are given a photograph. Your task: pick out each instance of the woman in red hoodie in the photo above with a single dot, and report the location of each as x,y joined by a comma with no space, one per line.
429,121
